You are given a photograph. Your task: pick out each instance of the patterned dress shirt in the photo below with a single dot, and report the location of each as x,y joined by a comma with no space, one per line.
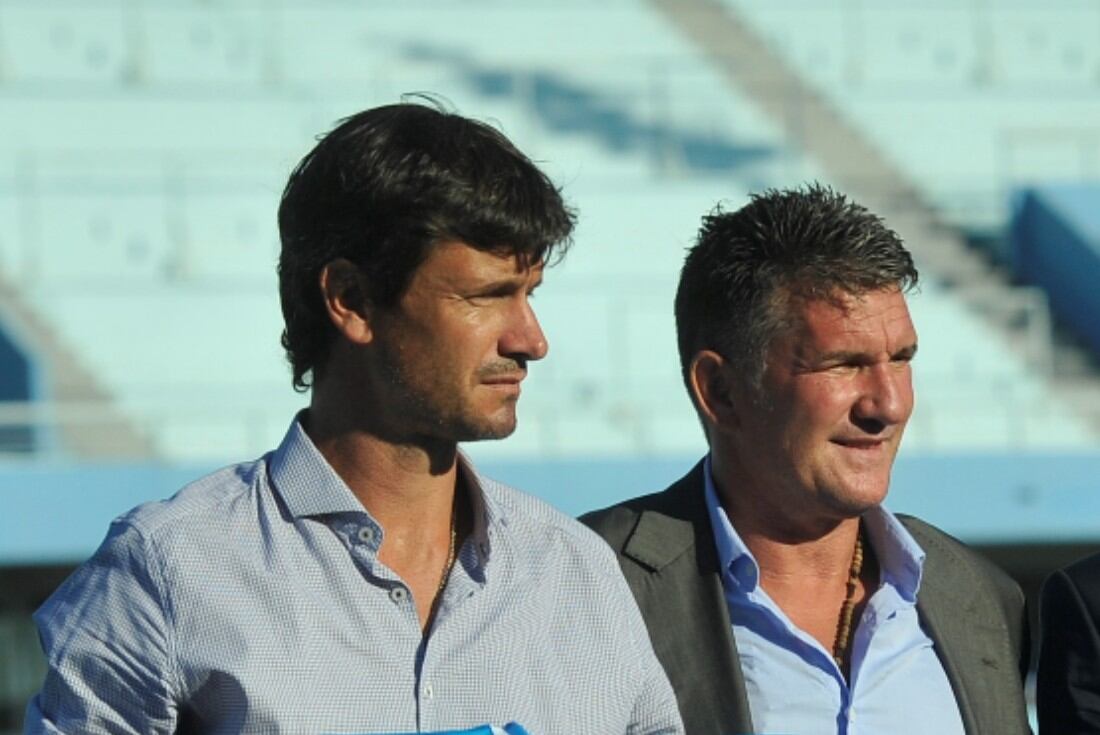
253,601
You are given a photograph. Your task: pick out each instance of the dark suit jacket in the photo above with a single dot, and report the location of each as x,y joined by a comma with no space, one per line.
973,612
1069,659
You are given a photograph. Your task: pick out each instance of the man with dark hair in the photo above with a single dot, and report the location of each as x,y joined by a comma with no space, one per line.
363,577
780,596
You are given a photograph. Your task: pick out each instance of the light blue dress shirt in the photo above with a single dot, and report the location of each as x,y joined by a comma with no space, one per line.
897,683
253,601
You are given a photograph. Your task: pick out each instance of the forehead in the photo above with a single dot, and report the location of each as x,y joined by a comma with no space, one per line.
871,321
454,259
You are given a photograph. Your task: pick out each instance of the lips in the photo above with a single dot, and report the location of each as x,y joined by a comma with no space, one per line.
513,379
505,385
864,444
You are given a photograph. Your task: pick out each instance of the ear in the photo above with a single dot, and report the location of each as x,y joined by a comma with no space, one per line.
345,296
713,384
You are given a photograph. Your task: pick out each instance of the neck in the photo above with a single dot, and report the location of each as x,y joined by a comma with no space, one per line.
815,571
824,559
399,484
787,544
410,487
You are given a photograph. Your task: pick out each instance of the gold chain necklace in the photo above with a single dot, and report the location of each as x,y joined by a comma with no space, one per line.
449,564
844,624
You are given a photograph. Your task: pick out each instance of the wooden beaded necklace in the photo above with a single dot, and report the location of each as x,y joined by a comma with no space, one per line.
847,610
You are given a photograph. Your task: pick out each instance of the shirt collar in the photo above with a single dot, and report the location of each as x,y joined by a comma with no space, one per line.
309,486
739,567
305,480
488,511
900,557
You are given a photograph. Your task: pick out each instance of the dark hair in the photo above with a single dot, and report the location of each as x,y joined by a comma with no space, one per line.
381,189
745,266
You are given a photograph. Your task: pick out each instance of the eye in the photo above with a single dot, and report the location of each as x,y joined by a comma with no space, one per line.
845,367
491,295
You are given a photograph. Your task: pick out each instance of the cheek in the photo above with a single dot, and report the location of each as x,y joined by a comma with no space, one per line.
821,405
477,334
909,395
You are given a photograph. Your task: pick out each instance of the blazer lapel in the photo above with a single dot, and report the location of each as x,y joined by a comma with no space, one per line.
970,639
684,604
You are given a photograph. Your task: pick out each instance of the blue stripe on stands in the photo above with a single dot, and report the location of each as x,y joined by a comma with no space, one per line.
59,513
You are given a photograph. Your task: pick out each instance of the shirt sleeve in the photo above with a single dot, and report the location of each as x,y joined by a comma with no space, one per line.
107,643
656,711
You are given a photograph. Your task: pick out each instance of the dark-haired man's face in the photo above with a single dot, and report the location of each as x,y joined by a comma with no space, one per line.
454,349
819,440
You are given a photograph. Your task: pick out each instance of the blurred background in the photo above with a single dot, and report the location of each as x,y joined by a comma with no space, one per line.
144,145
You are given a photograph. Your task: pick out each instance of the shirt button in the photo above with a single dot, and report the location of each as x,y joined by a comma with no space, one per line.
366,534
399,594
429,693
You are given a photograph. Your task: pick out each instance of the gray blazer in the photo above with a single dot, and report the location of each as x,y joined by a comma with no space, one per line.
973,612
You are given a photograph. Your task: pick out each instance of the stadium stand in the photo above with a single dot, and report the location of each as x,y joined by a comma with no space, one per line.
971,99
1056,245
161,205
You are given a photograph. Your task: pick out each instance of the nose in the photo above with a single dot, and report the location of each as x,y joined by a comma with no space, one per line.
524,338
886,398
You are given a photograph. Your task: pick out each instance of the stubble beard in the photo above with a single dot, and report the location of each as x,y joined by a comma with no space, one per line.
430,408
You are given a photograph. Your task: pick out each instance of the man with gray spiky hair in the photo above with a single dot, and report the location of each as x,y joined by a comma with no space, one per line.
779,594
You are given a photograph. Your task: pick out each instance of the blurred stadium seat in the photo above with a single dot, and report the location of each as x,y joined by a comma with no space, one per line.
146,202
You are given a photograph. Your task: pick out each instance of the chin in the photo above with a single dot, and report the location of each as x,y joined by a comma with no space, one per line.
852,499
485,429
861,500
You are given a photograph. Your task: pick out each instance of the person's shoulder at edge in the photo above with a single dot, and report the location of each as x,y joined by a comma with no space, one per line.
86,637
141,540
1084,572
213,496
1076,587
202,508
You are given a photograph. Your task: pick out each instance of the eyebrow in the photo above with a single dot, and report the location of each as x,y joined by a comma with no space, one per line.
842,356
509,284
